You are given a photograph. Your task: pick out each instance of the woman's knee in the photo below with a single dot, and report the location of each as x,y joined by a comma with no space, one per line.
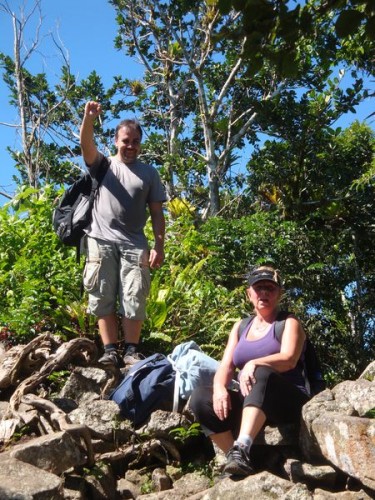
263,373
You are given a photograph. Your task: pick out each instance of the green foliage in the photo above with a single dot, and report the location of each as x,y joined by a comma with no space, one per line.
202,469
182,434
189,303
17,436
280,33
305,204
57,380
39,279
147,486
98,471
201,286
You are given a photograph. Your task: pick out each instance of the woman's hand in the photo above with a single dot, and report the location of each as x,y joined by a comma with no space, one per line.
247,378
221,402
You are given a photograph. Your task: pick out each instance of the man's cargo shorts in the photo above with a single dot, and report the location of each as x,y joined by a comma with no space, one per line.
116,273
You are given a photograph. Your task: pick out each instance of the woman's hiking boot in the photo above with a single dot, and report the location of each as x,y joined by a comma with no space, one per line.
238,462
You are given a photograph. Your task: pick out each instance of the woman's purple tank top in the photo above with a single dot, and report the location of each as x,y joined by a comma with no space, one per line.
246,350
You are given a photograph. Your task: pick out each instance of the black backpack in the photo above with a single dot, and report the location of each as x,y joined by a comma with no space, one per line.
311,366
73,213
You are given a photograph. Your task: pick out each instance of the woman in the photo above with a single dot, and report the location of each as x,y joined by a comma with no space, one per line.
271,380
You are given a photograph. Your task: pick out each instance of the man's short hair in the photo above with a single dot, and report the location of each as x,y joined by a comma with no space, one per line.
129,123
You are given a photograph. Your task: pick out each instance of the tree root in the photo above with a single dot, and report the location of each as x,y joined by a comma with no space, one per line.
81,350
60,422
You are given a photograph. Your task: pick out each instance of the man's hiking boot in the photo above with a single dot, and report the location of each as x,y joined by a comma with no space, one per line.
111,358
238,462
132,357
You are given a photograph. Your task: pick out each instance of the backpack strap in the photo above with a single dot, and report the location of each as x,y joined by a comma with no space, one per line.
97,179
309,357
102,170
95,183
176,391
281,318
176,388
245,323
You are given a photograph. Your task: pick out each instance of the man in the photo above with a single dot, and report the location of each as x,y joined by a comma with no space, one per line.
118,260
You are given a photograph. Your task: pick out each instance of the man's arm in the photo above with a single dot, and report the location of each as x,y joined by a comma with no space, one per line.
88,146
158,228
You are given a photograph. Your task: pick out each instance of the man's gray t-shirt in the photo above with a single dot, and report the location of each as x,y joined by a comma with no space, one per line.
120,209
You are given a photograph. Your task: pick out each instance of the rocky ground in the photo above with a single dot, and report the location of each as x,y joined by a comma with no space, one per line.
61,438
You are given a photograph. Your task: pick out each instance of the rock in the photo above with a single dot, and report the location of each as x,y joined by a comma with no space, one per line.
369,372
262,486
103,417
191,483
282,435
84,384
22,481
127,490
312,476
3,408
161,423
331,431
349,444
298,492
354,397
135,477
190,486
54,453
160,480
74,487
174,472
65,404
342,495
100,483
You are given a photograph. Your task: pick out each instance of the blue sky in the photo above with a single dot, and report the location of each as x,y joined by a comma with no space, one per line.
87,29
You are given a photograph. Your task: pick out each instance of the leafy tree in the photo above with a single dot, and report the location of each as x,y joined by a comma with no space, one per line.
195,93
37,105
312,178
347,27
306,203
212,74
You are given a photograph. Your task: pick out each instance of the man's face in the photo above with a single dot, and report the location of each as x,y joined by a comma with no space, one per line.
128,144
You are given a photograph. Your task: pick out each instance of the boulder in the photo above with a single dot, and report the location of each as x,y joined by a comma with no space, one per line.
23,481
56,452
84,384
103,418
281,435
262,486
312,476
335,428
369,372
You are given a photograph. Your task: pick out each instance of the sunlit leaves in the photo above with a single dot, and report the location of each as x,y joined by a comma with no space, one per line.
39,278
276,29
